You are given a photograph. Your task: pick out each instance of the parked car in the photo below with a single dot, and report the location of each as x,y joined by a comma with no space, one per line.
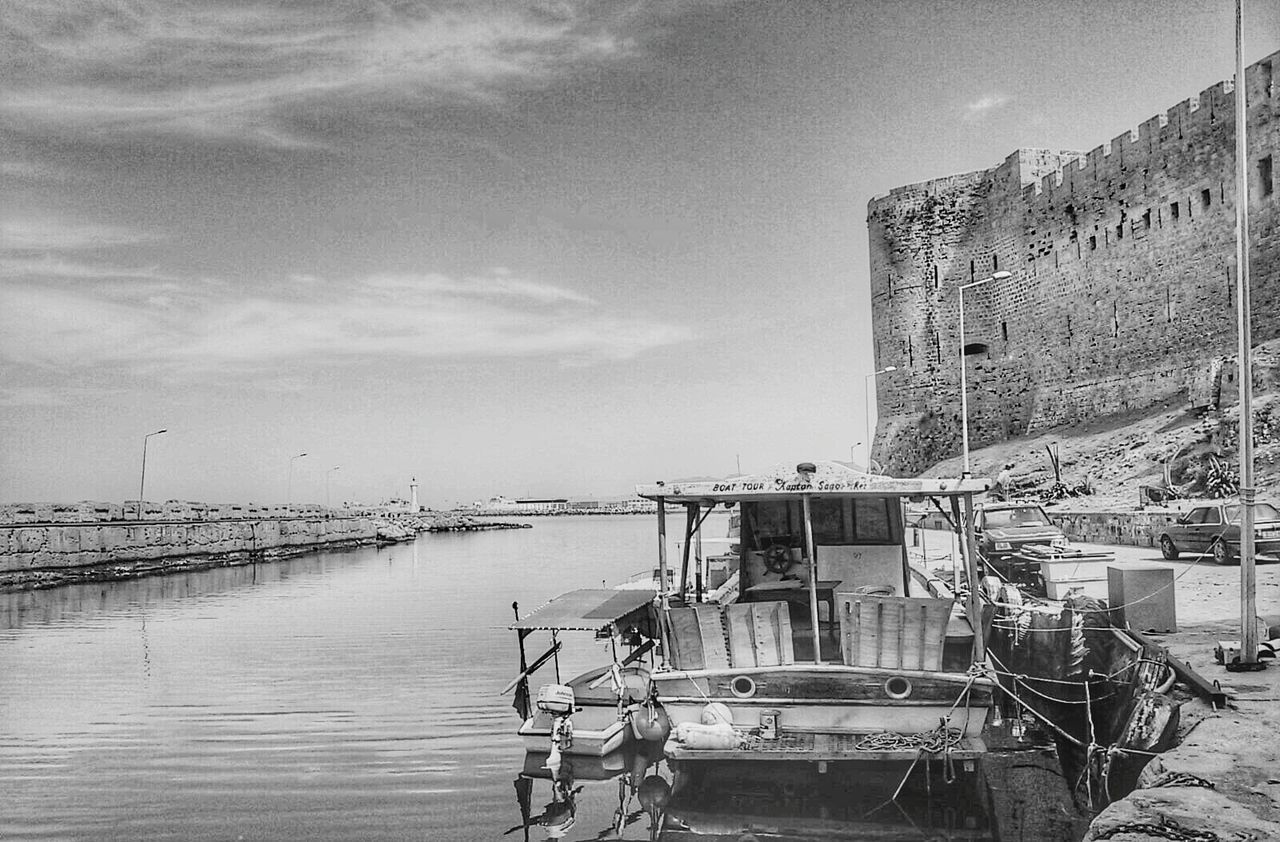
1215,529
1003,529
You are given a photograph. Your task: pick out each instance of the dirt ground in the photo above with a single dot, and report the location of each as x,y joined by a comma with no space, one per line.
1118,455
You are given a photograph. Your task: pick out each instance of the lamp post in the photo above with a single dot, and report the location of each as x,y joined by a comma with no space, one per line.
142,484
292,459
327,473
866,408
964,391
1244,338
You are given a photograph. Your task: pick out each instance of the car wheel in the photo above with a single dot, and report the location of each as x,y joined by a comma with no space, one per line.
1167,549
1221,553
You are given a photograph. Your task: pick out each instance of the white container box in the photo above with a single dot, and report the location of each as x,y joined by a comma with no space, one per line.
1096,588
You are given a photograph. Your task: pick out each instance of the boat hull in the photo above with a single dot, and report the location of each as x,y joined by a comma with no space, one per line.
596,732
829,699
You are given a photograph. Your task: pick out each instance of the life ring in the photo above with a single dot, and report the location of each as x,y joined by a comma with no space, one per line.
778,559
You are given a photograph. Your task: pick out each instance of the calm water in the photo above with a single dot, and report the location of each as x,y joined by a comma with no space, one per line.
346,696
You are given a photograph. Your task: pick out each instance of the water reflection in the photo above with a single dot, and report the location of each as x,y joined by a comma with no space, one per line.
53,606
1015,793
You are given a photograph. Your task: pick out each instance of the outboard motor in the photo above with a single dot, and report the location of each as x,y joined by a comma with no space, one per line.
557,700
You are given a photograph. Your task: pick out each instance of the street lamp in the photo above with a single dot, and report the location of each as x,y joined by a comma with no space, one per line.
866,408
142,484
964,392
292,459
327,505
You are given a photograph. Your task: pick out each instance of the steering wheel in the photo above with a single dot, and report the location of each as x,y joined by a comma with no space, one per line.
778,559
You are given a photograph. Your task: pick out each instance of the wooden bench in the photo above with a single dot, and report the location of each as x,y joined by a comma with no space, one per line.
752,634
893,632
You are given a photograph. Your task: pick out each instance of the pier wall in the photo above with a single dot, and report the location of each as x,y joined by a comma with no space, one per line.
1134,529
37,554
1120,294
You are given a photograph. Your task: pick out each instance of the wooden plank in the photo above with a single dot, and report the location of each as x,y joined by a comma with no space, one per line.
715,652
742,647
787,652
764,633
686,639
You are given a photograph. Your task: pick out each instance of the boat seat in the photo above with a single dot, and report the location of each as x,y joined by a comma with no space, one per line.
752,634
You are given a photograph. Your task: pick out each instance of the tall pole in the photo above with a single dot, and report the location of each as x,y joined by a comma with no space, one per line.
866,409
810,549
1248,586
964,390
327,473
289,496
142,484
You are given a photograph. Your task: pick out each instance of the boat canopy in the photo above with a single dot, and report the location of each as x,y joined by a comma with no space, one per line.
592,610
817,479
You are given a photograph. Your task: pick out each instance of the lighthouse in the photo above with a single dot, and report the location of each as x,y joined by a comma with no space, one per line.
413,494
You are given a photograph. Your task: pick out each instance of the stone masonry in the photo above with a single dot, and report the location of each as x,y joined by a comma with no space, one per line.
1122,290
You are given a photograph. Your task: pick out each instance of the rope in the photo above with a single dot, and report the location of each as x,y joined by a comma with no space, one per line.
1182,779
1168,829
933,742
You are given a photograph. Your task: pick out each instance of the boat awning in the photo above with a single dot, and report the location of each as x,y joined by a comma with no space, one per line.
588,610
827,479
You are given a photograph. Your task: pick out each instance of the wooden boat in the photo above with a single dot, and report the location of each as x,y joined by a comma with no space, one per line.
589,714
836,648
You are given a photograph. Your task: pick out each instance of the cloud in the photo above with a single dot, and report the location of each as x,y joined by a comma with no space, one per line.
195,329
990,102
253,71
44,234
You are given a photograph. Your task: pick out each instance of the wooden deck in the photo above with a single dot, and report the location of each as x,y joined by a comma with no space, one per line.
816,747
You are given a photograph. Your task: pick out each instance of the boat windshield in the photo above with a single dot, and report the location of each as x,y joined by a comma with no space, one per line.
1022,516
836,521
1262,513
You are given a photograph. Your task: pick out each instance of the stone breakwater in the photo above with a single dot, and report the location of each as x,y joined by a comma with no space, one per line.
48,544
43,555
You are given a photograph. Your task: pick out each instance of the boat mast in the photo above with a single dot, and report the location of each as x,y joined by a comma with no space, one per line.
813,577
1248,610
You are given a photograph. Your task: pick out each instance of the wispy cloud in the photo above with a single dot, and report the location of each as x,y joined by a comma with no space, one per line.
196,329
245,69
987,103
47,234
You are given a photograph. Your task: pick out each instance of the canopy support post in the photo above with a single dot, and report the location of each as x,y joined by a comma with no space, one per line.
813,578
690,526
974,608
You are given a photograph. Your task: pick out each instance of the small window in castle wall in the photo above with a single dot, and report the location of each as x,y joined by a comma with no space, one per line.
1004,331
1264,175
1146,220
1205,198
1175,208
1093,243
1120,231
995,261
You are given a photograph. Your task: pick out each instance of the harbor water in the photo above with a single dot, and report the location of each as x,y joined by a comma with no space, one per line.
355,695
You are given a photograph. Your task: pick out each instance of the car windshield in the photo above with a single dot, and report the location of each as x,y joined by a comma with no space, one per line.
1021,516
1262,513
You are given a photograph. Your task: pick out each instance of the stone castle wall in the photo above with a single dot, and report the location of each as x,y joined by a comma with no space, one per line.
1121,296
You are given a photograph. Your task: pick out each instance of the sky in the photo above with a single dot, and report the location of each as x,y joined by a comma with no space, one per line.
549,248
